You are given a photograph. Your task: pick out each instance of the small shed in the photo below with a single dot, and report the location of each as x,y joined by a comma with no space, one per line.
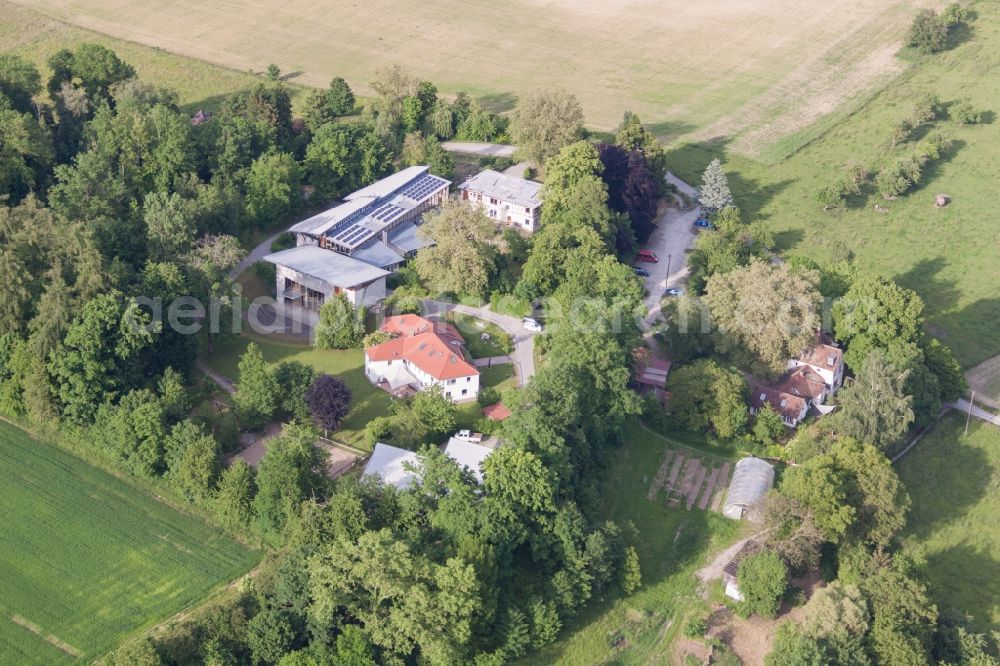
752,478
730,574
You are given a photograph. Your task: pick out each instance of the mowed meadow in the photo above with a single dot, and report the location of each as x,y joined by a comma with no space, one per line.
87,559
757,71
950,256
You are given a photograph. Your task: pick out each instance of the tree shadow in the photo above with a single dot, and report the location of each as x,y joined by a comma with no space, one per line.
946,477
668,130
924,277
688,160
932,169
751,196
963,579
291,75
788,239
498,102
976,325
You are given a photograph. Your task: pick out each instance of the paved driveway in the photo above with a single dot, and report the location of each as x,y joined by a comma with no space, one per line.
481,149
671,241
523,356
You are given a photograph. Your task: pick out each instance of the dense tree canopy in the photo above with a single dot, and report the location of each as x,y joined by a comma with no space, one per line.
545,122
764,314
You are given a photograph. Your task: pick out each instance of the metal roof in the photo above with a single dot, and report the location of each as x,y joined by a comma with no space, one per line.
406,238
506,188
752,478
468,454
389,464
389,184
377,253
331,267
322,222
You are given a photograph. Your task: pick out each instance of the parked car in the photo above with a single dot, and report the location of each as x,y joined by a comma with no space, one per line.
702,223
648,256
641,272
673,292
532,324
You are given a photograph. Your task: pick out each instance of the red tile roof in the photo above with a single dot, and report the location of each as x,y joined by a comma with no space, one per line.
803,382
789,406
824,356
411,324
429,351
496,412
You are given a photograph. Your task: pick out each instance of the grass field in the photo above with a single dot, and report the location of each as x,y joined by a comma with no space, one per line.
200,84
86,559
954,483
673,544
758,70
368,401
948,255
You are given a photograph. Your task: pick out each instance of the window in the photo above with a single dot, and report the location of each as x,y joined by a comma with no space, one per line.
465,391
451,381
468,379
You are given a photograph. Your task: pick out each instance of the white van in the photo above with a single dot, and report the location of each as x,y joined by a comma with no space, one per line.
531,324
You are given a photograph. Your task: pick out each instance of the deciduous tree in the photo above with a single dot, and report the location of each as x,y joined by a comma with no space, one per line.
875,407
544,122
765,314
329,401
762,579
463,253
341,325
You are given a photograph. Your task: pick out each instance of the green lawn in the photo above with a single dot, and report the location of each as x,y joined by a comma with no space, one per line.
472,329
87,559
367,402
948,255
673,544
954,483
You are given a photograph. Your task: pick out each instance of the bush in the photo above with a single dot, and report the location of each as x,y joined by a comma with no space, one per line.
928,33
377,429
891,182
832,195
964,113
488,396
509,304
696,626
285,241
265,271
762,580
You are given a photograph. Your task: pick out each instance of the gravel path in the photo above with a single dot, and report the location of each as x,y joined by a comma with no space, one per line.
481,149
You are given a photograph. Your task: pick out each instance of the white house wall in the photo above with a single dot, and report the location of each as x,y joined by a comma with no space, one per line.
376,371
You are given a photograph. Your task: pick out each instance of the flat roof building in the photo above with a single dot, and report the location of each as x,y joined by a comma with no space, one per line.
507,199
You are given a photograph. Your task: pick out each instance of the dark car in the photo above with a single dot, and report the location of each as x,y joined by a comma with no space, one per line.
641,272
702,223
674,291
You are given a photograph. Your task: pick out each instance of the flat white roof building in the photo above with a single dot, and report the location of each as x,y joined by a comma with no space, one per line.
508,199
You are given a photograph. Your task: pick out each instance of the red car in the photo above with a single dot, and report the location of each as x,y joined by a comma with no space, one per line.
646,255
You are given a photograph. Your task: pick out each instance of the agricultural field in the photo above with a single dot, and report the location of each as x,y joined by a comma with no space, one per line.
753,72
673,542
954,483
948,255
87,559
200,85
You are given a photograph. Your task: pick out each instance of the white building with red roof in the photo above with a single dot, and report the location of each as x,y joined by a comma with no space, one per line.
422,355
